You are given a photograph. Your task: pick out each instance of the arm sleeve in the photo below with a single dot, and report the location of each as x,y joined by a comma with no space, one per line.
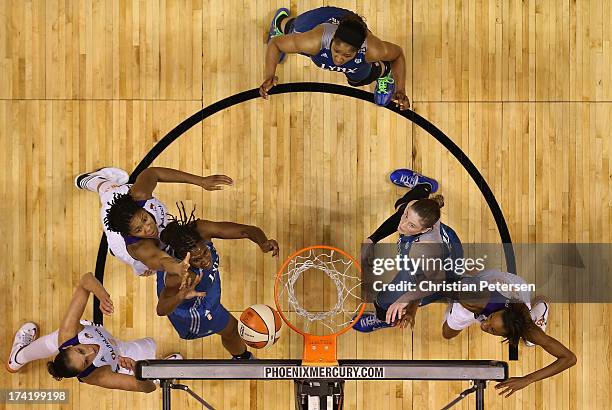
388,227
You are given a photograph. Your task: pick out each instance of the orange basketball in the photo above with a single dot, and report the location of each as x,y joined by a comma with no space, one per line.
259,326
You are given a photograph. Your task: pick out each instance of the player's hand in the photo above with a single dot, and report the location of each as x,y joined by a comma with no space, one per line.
90,283
148,272
270,245
188,290
106,304
401,100
184,266
266,85
215,182
395,312
408,316
512,385
127,363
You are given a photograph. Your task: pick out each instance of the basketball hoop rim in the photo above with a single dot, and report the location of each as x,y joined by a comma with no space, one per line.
279,275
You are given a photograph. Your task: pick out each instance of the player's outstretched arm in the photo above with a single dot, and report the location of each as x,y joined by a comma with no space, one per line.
305,43
147,181
231,230
105,377
147,252
379,50
71,325
177,289
565,359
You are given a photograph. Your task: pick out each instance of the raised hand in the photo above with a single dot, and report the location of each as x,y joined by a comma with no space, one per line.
188,290
215,182
184,269
106,304
270,245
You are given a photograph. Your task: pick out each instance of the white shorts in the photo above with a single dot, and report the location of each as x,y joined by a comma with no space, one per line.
458,318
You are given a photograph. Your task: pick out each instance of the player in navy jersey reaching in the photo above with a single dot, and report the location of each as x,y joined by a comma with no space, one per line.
193,303
337,39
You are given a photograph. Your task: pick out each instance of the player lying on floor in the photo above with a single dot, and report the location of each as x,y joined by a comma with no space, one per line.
133,218
86,351
193,303
509,314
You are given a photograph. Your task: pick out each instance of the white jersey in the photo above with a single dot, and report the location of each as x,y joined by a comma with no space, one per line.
116,242
457,317
110,348
496,276
108,352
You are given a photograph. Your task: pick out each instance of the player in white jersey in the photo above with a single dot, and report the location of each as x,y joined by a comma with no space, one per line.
133,218
86,351
503,308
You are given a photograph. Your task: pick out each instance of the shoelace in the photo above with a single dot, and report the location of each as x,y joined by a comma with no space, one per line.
27,338
383,82
409,181
370,320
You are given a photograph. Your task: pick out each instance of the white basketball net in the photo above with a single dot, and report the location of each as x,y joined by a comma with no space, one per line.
347,285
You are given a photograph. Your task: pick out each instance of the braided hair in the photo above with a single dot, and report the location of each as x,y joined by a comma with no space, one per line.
61,367
181,233
120,213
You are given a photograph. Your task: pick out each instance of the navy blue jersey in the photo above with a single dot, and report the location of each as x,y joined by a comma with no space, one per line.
356,69
451,245
204,315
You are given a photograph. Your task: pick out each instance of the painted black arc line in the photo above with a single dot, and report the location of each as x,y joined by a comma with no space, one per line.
412,116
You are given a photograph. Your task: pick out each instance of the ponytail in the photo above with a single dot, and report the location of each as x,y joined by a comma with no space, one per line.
439,199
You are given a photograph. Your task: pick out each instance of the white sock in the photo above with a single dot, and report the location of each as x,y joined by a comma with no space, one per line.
106,186
41,348
91,182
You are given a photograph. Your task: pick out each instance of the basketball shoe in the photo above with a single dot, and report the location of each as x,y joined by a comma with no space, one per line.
368,322
275,30
26,334
407,178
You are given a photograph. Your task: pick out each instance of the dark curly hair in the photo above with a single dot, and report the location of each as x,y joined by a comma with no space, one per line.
352,30
60,368
516,320
120,213
181,233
